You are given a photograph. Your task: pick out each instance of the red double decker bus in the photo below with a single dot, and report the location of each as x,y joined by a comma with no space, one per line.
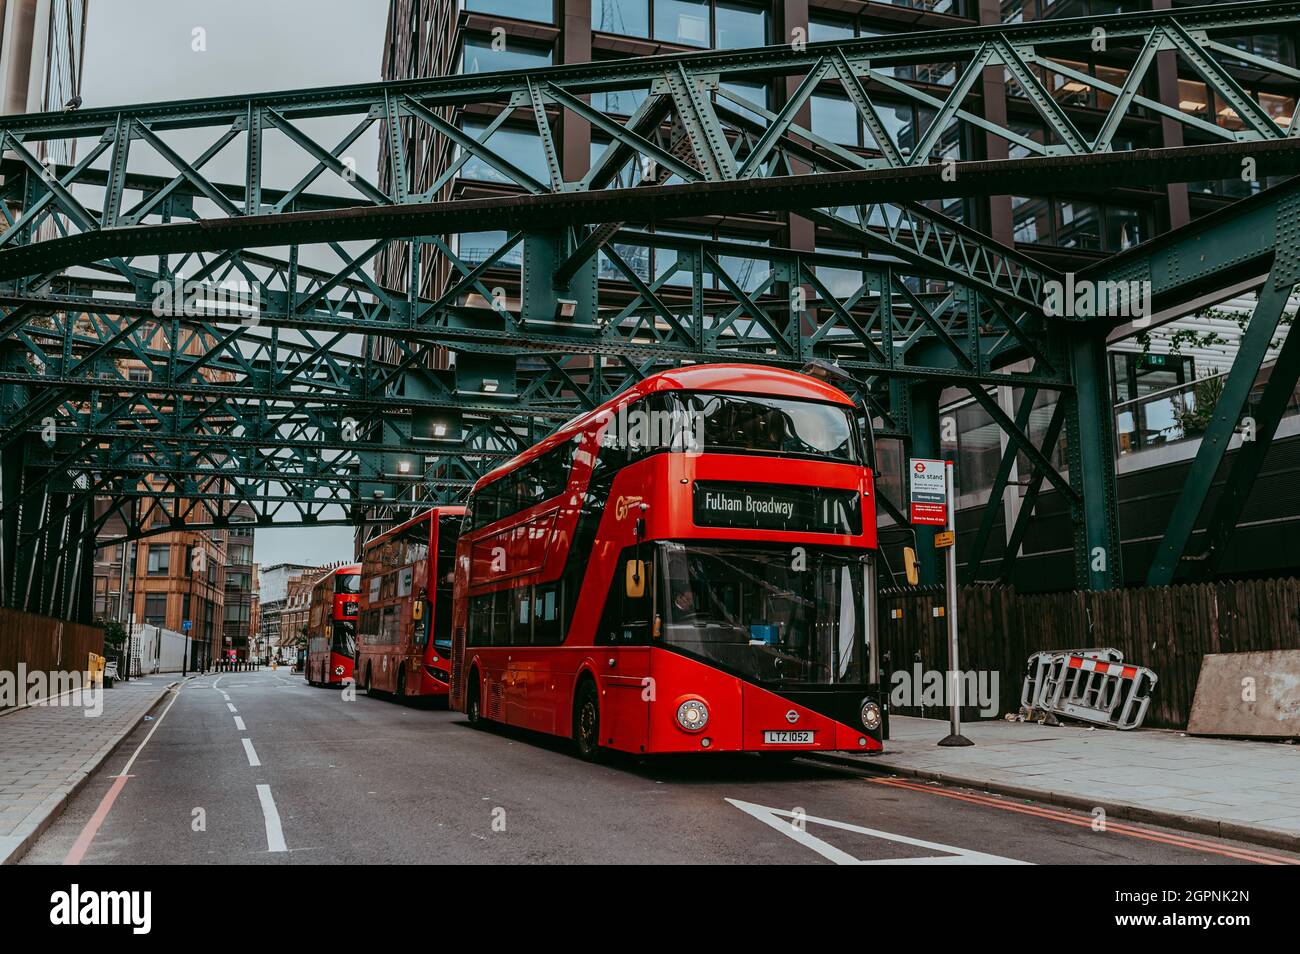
332,626
404,634
687,568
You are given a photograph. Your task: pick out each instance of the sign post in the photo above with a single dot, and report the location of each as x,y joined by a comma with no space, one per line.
948,540
929,493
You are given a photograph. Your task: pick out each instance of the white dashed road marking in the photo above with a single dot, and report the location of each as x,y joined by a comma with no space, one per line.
274,833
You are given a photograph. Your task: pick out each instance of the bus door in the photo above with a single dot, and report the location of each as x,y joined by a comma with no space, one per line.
623,652
419,624
419,640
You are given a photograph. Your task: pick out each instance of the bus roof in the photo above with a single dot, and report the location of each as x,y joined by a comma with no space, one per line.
346,569
729,378
446,510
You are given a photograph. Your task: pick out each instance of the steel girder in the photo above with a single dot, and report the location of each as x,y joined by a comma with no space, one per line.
1242,241
174,415
1256,238
1223,425
200,404
834,185
945,306
724,137
197,363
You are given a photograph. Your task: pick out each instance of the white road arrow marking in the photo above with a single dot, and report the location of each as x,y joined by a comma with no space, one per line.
780,819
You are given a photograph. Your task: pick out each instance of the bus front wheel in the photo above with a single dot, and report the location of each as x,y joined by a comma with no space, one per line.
586,721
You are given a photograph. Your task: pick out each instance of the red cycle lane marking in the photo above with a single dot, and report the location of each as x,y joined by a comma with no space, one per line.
82,844
96,820
1131,831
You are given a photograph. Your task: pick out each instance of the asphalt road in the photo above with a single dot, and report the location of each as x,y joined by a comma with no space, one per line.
259,768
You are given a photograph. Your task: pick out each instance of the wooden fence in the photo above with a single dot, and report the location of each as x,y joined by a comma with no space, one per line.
44,644
1167,629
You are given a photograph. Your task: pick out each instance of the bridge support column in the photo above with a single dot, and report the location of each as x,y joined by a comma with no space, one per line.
1090,426
11,483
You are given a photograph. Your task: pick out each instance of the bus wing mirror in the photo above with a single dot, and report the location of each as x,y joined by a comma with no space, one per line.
634,583
417,610
910,566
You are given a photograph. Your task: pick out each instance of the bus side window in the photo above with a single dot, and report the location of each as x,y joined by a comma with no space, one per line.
547,630
480,617
501,627
521,625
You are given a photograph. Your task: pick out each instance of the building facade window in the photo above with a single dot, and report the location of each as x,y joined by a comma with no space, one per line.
539,11
682,21
623,17
723,24
521,147
1072,223
739,25
159,559
155,609
480,57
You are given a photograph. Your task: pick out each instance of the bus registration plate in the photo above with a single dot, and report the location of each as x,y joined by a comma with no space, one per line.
788,737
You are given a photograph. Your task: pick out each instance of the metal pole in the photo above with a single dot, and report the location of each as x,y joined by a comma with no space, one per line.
954,738
872,619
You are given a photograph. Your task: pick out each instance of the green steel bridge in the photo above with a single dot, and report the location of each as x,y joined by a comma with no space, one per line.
338,399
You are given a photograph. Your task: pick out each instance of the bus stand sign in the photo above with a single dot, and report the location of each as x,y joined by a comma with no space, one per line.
928,493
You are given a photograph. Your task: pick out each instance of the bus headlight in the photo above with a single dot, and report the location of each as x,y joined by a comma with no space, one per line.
693,715
870,716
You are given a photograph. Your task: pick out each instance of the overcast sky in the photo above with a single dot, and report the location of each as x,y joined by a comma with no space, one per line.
142,51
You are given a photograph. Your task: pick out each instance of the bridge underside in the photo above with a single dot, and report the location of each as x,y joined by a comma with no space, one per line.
195,335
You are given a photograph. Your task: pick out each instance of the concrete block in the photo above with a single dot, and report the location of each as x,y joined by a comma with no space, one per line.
1254,695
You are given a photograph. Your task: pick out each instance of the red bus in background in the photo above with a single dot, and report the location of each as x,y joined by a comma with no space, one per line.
687,568
404,635
332,626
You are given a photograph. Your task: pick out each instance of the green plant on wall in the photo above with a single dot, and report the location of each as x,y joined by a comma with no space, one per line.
1194,416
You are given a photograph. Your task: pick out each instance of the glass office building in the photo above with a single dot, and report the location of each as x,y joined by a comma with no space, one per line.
41,48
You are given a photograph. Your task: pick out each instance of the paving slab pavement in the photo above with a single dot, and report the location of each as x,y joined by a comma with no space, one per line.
1229,788
47,751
